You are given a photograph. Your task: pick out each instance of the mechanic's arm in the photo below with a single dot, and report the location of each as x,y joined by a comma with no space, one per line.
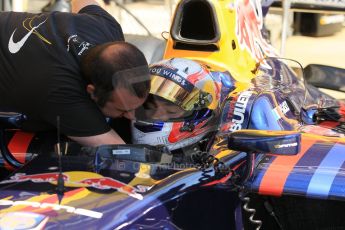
108,138
77,5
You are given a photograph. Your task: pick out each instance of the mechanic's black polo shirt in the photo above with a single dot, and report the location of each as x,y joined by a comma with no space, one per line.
39,67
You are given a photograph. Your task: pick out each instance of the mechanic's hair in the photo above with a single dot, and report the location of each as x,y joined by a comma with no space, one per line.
116,64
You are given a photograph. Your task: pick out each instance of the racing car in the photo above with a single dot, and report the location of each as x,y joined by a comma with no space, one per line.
279,141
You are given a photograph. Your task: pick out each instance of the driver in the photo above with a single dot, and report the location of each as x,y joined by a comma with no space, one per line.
182,106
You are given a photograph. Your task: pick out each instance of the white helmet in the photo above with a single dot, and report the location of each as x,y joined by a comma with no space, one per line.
187,86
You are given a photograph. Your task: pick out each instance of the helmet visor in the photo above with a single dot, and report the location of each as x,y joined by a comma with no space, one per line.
159,109
187,99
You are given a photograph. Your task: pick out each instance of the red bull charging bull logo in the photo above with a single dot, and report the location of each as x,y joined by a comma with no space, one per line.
71,180
249,22
110,183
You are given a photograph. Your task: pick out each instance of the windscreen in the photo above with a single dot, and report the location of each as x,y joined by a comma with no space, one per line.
286,77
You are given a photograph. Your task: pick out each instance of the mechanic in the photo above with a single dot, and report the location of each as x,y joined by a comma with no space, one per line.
72,65
183,105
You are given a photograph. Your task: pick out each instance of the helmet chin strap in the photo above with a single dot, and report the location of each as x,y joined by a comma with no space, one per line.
189,126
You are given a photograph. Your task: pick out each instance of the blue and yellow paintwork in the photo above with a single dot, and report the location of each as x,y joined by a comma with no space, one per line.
317,171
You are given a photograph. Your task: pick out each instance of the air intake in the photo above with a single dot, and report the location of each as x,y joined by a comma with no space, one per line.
195,26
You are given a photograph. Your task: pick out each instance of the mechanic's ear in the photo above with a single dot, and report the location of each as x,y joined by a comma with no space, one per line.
91,89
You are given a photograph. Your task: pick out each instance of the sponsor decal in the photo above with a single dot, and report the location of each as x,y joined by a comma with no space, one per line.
56,207
283,107
78,44
121,151
143,188
172,75
285,145
239,110
15,47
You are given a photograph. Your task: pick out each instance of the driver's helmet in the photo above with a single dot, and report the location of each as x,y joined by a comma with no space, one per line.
181,107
